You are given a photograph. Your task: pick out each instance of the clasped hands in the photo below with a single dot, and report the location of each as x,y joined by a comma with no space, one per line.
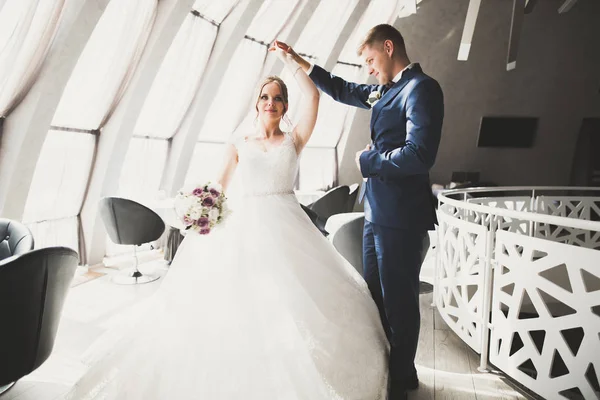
283,51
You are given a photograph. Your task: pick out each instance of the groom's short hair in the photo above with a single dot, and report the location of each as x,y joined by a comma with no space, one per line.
381,33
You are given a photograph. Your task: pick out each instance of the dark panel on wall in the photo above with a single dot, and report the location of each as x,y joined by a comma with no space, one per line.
507,132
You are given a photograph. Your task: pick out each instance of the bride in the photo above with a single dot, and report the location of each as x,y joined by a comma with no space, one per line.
261,308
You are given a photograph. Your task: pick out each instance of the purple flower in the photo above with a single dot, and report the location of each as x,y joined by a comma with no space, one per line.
203,222
205,231
208,202
214,192
198,192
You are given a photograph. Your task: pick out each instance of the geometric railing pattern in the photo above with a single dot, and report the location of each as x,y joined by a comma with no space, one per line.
516,203
518,279
459,282
546,316
587,208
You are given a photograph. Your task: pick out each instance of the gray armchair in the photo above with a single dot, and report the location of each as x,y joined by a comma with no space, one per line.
130,223
15,238
33,288
346,235
354,189
333,202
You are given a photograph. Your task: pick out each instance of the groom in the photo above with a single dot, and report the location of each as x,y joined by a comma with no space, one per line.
406,125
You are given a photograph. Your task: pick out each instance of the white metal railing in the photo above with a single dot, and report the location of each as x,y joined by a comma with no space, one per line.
518,279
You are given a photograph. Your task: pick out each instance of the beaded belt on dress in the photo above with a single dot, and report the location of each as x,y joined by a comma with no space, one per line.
274,193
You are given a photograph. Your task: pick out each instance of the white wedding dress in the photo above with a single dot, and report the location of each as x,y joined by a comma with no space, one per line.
262,308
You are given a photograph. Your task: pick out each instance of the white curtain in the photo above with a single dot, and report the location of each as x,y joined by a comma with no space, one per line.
27,28
318,169
206,163
215,10
237,90
177,80
98,80
140,178
377,12
56,232
322,31
272,16
106,64
60,176
143,168
332,115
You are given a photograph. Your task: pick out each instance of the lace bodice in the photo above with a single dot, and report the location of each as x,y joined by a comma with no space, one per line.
267,172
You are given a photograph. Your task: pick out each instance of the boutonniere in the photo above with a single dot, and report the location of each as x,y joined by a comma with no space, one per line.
374,98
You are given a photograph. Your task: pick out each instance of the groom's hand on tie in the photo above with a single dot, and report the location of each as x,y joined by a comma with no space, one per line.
367,148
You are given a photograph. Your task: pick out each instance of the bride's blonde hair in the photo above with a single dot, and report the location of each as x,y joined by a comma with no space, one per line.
282,86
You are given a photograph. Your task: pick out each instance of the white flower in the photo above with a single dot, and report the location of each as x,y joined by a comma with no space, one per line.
213,214
374,98
195,213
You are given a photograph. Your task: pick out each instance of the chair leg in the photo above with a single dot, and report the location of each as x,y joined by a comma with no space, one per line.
136,271
5,388
133,276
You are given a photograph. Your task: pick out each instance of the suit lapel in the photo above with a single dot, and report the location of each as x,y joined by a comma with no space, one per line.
393,92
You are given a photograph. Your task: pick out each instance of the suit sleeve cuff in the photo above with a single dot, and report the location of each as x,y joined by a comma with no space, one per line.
309,70
364,166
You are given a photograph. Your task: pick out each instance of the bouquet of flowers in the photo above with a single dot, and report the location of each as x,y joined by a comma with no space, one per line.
201,207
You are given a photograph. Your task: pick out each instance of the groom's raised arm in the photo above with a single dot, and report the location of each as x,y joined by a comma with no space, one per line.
352,94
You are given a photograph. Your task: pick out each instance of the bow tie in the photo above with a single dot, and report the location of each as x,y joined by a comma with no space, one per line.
386,87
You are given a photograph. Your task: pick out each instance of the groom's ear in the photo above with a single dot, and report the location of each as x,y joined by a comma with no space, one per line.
388,47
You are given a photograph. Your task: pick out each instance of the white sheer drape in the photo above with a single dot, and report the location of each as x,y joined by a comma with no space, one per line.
322,31
177,80
215,10
106,64
332,115
140,177
170,96
27,28
237,90
206,163
318,169
60,177
271,18
98,80
377,12
143,168
62,232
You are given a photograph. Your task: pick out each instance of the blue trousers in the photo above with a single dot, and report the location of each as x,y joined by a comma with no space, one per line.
392,260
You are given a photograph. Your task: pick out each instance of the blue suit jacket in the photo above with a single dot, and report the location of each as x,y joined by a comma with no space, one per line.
406,126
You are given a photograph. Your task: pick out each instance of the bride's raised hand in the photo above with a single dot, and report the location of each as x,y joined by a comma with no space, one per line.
284,52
